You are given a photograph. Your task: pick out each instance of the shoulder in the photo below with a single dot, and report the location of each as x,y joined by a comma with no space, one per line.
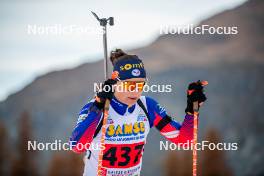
150,101
85,111
154,106
86,107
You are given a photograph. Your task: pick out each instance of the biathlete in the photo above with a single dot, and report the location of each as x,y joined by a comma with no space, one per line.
131,116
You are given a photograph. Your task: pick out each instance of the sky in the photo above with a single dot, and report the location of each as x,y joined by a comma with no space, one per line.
25,55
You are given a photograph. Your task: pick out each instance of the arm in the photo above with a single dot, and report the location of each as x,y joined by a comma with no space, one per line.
170,129
89,118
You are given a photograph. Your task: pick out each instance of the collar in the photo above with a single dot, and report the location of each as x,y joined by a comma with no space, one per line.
120,107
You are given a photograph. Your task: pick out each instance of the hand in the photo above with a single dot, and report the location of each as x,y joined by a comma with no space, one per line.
195,93
107,91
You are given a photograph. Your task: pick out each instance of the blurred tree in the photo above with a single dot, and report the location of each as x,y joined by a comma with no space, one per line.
171,162
187,160
210,162
57,166
213,161
24,164
76,161
4,153
178,163
66,164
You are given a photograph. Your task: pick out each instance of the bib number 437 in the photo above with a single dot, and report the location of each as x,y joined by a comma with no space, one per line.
122,155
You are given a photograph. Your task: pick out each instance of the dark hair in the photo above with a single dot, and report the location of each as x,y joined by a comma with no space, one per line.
118,55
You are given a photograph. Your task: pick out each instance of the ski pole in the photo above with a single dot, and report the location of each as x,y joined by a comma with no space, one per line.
195,131
195,134
103,23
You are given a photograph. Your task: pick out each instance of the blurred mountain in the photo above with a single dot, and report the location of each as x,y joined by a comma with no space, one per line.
233,65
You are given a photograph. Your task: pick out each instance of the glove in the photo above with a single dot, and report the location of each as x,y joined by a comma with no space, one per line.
102,95
195,93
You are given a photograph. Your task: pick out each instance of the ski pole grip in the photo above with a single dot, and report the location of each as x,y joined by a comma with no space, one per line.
196,106
107,103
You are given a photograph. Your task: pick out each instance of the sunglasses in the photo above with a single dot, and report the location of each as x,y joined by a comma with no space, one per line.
132,86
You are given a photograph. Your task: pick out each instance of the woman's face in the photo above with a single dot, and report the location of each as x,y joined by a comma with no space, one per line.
126,96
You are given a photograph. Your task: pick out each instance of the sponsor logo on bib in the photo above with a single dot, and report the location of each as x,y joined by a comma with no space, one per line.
125,129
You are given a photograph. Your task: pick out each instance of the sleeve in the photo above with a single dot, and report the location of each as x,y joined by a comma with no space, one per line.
170,129
82,135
